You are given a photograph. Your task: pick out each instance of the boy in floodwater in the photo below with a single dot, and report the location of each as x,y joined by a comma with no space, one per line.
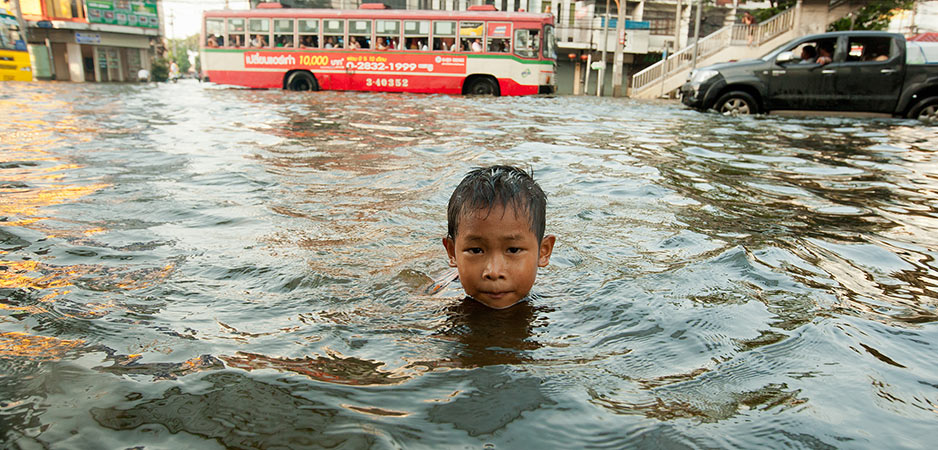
495,234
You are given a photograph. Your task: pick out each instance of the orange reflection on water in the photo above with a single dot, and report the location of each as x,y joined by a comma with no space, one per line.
21,274
28,201
35,347
333,369
31,276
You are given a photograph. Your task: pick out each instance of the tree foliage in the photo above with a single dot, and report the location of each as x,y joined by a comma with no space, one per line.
179,52
874,16
159,69
778,6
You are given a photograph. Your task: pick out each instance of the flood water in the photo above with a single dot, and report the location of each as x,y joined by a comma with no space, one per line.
191,266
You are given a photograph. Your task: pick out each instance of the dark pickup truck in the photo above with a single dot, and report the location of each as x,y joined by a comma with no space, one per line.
864,71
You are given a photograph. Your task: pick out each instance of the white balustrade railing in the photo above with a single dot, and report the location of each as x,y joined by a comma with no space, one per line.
765,31
684,58
736,34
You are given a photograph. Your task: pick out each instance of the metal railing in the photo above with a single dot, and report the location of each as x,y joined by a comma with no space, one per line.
735,34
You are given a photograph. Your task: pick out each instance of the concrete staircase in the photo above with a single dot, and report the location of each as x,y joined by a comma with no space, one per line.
726,44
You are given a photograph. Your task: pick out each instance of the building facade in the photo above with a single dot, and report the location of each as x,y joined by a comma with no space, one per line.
90,40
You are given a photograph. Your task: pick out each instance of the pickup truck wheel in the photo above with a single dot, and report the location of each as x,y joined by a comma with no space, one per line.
736,102
926,110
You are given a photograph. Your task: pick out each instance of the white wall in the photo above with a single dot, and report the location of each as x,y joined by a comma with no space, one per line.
923,19
76,69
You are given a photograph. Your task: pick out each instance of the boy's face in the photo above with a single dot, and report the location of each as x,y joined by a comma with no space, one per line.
497,255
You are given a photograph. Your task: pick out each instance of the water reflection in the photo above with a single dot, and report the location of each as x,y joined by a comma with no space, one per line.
331,369
275,416
486,337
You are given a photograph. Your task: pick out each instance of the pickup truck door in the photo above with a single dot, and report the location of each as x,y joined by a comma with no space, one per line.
870,77
800,86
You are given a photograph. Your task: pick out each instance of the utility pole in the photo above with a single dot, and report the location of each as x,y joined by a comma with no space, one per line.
677,26
20,21
617,59
172,15
602,71
696,34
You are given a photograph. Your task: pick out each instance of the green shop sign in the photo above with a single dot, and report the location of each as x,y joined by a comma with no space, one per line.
123,12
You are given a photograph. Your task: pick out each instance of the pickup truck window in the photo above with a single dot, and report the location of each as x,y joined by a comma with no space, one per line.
819,51
870,49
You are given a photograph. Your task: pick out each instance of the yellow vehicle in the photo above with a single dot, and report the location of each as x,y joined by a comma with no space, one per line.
14,59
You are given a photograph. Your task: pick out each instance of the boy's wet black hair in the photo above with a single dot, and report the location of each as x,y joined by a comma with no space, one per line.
484,188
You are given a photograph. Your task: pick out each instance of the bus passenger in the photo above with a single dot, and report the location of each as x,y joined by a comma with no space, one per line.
477,45
382,44
211,42
330,42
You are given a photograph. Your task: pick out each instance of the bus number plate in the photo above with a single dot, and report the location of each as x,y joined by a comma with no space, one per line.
386,82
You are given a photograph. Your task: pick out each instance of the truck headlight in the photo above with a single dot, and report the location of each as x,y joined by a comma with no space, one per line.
699,76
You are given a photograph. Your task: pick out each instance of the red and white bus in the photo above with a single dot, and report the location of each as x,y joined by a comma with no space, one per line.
481,51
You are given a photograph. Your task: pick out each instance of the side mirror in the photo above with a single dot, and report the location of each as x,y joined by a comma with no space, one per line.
785,57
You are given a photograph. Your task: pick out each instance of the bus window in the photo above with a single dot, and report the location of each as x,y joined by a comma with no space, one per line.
470,36
283,33
444,36
388,33
498,39
417,34
333,33
527,43
236,32
359,34
550,47
214,33
309,33
259,30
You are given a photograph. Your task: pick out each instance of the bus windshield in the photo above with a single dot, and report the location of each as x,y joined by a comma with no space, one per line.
550,46
10,38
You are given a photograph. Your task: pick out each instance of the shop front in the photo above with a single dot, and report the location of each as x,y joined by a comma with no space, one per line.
71,55
99,40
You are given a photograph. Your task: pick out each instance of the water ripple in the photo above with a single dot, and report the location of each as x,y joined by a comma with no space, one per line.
187,265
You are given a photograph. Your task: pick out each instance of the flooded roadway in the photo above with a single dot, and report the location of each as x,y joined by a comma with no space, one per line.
185,265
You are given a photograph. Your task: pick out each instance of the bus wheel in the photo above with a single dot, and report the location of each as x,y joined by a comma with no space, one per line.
926,110
482,86
302,81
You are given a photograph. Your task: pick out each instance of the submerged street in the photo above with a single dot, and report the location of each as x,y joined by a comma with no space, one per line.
186,265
